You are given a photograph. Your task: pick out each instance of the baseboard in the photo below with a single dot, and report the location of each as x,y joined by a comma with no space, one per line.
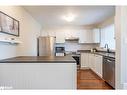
85,68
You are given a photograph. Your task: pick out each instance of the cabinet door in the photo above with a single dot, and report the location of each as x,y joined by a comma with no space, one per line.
85,36
84,60
51,33
91,61
107,36
82,36
71,33
89,36
60,37
96,35
94,63
98,65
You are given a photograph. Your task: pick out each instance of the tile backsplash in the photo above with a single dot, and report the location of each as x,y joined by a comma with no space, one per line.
76,46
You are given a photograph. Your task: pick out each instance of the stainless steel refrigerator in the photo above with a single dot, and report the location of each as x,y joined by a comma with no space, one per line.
46,46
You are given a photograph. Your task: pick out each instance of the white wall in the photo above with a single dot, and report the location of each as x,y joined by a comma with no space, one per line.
121,47
29,30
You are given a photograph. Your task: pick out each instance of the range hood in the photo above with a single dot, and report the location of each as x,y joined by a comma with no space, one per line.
72,39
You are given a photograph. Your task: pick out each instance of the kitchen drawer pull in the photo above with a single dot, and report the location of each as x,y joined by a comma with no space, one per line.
109,61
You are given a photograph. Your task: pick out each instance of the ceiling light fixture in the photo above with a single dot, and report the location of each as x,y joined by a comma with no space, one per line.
69,18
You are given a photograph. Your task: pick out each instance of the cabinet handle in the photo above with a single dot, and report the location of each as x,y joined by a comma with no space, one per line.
109,61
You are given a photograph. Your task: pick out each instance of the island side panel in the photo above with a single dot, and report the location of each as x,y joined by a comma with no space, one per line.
38,75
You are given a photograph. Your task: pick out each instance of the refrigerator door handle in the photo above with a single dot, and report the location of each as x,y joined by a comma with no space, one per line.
37,47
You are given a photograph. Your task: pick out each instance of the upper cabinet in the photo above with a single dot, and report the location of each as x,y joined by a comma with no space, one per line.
71,33
96,35
84,35
89,36
60,37
108,36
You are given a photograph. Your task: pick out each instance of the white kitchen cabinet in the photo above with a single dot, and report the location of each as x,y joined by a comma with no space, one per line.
108,36
51,33
89,36
82,35
92,61
60,37
95,63
98,65
96,35
86,36
72,33
84,60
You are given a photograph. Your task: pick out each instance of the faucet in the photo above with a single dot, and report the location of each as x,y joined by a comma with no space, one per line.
106,46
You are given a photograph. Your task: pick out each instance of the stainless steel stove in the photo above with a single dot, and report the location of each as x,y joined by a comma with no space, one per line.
76,56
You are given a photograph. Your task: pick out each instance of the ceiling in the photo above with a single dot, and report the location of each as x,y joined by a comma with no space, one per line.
84,15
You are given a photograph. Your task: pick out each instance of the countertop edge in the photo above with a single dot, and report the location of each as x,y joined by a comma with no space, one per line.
39,59
97,53
38,62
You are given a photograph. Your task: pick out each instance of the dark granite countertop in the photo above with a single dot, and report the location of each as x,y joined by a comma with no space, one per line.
103,53
39,59
84,51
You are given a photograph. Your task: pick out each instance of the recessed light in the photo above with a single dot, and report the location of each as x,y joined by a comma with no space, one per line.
69,17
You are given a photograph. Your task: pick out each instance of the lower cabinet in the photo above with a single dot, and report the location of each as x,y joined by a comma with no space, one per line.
84,60
92,61
98,65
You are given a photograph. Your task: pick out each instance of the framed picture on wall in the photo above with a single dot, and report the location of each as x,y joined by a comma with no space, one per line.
8,24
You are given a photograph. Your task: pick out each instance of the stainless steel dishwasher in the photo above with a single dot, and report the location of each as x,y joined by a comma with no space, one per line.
109,70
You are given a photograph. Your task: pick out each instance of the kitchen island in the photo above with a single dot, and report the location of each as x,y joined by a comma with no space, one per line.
38,72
